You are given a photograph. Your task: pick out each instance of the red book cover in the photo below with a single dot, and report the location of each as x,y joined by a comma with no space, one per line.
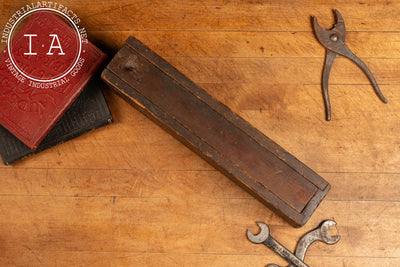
42,71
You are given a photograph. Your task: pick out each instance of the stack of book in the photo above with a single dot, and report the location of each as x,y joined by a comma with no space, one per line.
49,87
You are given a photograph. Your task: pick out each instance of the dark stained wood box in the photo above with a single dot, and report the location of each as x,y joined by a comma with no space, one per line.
214,132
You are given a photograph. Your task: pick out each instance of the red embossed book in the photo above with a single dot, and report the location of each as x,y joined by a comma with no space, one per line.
44,68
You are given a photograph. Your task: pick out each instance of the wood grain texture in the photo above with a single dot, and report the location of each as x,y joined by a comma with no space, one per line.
131,195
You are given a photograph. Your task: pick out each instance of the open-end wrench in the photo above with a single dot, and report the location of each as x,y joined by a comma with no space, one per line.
265,238
318,234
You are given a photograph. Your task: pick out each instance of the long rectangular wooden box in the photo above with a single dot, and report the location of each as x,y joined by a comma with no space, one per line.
214,132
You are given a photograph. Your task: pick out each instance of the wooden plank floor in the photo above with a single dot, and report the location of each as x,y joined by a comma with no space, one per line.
131,195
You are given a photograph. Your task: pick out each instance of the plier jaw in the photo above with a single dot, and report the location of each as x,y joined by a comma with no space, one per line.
334,42
334,38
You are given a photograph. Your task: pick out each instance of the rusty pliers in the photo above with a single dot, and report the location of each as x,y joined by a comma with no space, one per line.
333,41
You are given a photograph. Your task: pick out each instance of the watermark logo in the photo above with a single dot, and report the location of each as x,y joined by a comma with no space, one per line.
45,44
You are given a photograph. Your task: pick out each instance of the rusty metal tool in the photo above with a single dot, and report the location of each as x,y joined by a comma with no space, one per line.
334,42
296,259
265,238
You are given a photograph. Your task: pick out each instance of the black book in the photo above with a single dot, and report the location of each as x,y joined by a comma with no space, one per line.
89,111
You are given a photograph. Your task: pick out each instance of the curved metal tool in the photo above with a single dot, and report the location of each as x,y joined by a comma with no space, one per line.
333,40
265,238
319,234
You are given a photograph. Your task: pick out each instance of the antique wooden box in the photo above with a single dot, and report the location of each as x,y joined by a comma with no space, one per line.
214,132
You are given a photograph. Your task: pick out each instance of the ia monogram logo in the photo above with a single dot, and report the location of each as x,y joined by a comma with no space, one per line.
47,50
55,38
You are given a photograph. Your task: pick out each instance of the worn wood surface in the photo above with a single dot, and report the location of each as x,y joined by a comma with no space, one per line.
131,195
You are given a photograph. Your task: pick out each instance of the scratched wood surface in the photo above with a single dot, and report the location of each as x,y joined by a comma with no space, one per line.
131,195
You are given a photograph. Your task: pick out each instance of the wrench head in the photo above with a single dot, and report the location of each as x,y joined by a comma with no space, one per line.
261,236
326,237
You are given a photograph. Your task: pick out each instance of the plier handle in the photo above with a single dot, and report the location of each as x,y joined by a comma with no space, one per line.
333,41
